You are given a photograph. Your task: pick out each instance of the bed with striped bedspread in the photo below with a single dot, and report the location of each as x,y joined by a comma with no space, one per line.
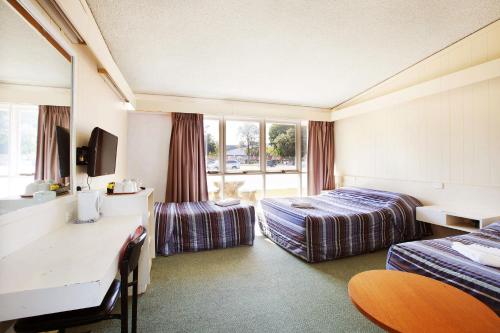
436,259
198,226
343,222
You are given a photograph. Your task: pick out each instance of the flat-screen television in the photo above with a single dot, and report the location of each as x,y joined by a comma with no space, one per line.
62,139
101,153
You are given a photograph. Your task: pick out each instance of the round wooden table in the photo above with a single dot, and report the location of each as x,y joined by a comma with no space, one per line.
407,302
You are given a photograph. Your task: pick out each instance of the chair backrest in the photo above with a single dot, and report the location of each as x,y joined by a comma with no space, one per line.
130,258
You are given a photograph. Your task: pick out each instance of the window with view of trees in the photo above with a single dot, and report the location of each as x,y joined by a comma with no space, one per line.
258,158
242,146
281,147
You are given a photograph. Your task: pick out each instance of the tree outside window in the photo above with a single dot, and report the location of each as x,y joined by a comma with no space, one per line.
281,146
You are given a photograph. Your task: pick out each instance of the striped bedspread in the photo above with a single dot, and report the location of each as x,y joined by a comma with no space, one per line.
344,222
197,226
436,259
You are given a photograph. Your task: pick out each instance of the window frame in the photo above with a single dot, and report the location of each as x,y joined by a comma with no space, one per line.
298,148
263,123
220,146
223,132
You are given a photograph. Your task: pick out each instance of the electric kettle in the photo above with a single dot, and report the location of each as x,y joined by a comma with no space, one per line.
89,205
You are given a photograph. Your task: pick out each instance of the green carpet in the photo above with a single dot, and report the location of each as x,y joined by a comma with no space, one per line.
250,289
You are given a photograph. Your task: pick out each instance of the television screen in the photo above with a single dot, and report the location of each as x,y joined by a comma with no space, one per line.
102,153
62,139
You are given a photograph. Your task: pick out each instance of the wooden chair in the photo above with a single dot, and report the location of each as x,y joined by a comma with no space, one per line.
62,320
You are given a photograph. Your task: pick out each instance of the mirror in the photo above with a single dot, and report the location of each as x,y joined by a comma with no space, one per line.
35,113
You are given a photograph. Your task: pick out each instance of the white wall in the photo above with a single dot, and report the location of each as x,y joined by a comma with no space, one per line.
20,94
97,105
148,146
218,107
451,137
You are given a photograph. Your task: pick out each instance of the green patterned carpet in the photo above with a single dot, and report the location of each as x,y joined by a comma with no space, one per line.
250,289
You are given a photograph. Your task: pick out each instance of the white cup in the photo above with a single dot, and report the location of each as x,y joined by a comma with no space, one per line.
43,196
43,186
118,188
129,186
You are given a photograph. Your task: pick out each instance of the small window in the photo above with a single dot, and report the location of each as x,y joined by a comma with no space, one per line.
303,145
282,185
242,146
281,147
212,145
248,188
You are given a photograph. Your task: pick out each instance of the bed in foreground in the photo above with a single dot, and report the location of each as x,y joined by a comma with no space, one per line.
436,259
198,226
343,222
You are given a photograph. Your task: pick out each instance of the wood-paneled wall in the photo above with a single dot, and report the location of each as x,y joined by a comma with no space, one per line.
451,138
475,49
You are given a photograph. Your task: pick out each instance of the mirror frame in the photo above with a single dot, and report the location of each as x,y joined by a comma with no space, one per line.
36,18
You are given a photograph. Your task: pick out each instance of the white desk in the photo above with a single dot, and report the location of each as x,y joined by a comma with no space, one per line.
69,268
136,204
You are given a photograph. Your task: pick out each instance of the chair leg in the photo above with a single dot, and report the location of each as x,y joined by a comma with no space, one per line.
124,306
134,300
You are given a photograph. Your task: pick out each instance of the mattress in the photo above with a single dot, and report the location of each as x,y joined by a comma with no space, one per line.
436,259
198,226
343,222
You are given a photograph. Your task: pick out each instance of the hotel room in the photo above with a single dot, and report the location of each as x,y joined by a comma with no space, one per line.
249,166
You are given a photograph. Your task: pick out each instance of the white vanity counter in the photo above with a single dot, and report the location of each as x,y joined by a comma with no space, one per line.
11,204
69,268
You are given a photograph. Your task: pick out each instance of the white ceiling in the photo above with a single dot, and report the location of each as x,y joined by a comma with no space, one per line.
299,52
26,57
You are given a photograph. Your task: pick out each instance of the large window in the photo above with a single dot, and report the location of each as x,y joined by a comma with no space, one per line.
249,159
18,137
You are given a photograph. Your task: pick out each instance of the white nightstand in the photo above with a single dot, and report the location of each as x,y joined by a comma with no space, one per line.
459,219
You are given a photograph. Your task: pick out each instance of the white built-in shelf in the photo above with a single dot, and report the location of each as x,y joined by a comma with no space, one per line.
468,220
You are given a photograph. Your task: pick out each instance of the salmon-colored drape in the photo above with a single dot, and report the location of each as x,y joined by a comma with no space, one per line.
187,178
47,158
320,157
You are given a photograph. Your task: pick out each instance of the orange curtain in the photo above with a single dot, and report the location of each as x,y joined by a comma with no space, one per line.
187,177
320,157
47,158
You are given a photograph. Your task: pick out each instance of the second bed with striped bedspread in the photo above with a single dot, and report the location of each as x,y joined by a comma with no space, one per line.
343,222
437,259
197,226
